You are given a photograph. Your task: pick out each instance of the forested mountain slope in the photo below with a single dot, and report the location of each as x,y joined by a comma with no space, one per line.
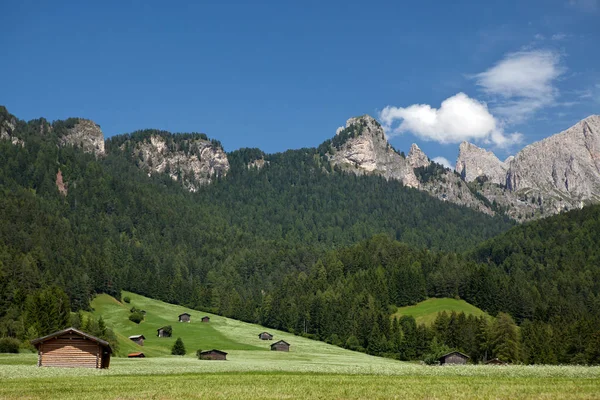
91,221
286,246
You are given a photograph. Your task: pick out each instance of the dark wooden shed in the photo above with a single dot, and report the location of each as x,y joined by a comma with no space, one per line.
496,361
185,317
206,318
281,345
455,358
72,348
138,339
265,336
213,355
163,332
136,355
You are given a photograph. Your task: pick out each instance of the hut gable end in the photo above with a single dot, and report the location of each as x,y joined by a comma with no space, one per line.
72,348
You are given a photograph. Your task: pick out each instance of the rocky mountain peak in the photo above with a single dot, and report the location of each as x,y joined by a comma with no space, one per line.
85,134
474,162
567,163
416,158
362,148
194,161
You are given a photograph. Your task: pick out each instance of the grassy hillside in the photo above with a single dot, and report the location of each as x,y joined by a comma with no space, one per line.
238,338
426,311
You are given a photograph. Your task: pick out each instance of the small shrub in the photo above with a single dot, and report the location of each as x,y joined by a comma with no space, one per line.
126,299
136,317
9,345
178,348
198,354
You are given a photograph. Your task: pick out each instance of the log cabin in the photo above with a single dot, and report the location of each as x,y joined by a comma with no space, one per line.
138,339
455,358
281,345
72,348
185,317
213,355
265,336
206,319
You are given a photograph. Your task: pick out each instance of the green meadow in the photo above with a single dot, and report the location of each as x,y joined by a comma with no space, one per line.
311,370
426,311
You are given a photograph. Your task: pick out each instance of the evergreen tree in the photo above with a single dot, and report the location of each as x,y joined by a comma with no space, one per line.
178,348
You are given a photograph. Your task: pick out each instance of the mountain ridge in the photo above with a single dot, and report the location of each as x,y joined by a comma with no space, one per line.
524,186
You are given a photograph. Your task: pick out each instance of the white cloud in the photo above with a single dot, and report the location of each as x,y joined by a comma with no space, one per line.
559,36
443,161
458,118
522,83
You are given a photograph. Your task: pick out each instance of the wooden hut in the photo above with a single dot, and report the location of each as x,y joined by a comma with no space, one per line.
496,361
136,355
72,348
185,317
138,339
281,345
265,336
206,318
163,332
213,355
455,357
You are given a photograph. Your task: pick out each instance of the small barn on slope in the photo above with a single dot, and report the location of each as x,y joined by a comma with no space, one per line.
265,336
454,358
72,348
496,361
281,345
206,318
213,355
185,317
138,339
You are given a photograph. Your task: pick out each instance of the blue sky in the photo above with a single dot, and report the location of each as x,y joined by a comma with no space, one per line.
279,75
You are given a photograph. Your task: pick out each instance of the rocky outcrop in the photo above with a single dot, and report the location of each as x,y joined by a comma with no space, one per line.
8,124
567,163
474,162
194,162
86,135
258,164
555,174
362,148
416,158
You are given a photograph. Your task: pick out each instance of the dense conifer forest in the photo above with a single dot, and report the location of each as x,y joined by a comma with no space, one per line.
295,245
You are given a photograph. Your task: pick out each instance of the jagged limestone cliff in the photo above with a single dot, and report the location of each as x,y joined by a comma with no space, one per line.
361,147
474,161
193,162
85,134
558,173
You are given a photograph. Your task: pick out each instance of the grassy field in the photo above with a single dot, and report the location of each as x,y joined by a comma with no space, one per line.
311,370
426,311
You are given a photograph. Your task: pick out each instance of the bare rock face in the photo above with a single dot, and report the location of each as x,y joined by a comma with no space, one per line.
362,148
7,127
567,163
194,162
558,173
474,162
60,184
416,158
86,135
258,164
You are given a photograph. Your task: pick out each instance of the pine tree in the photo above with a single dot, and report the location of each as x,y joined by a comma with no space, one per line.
178,348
